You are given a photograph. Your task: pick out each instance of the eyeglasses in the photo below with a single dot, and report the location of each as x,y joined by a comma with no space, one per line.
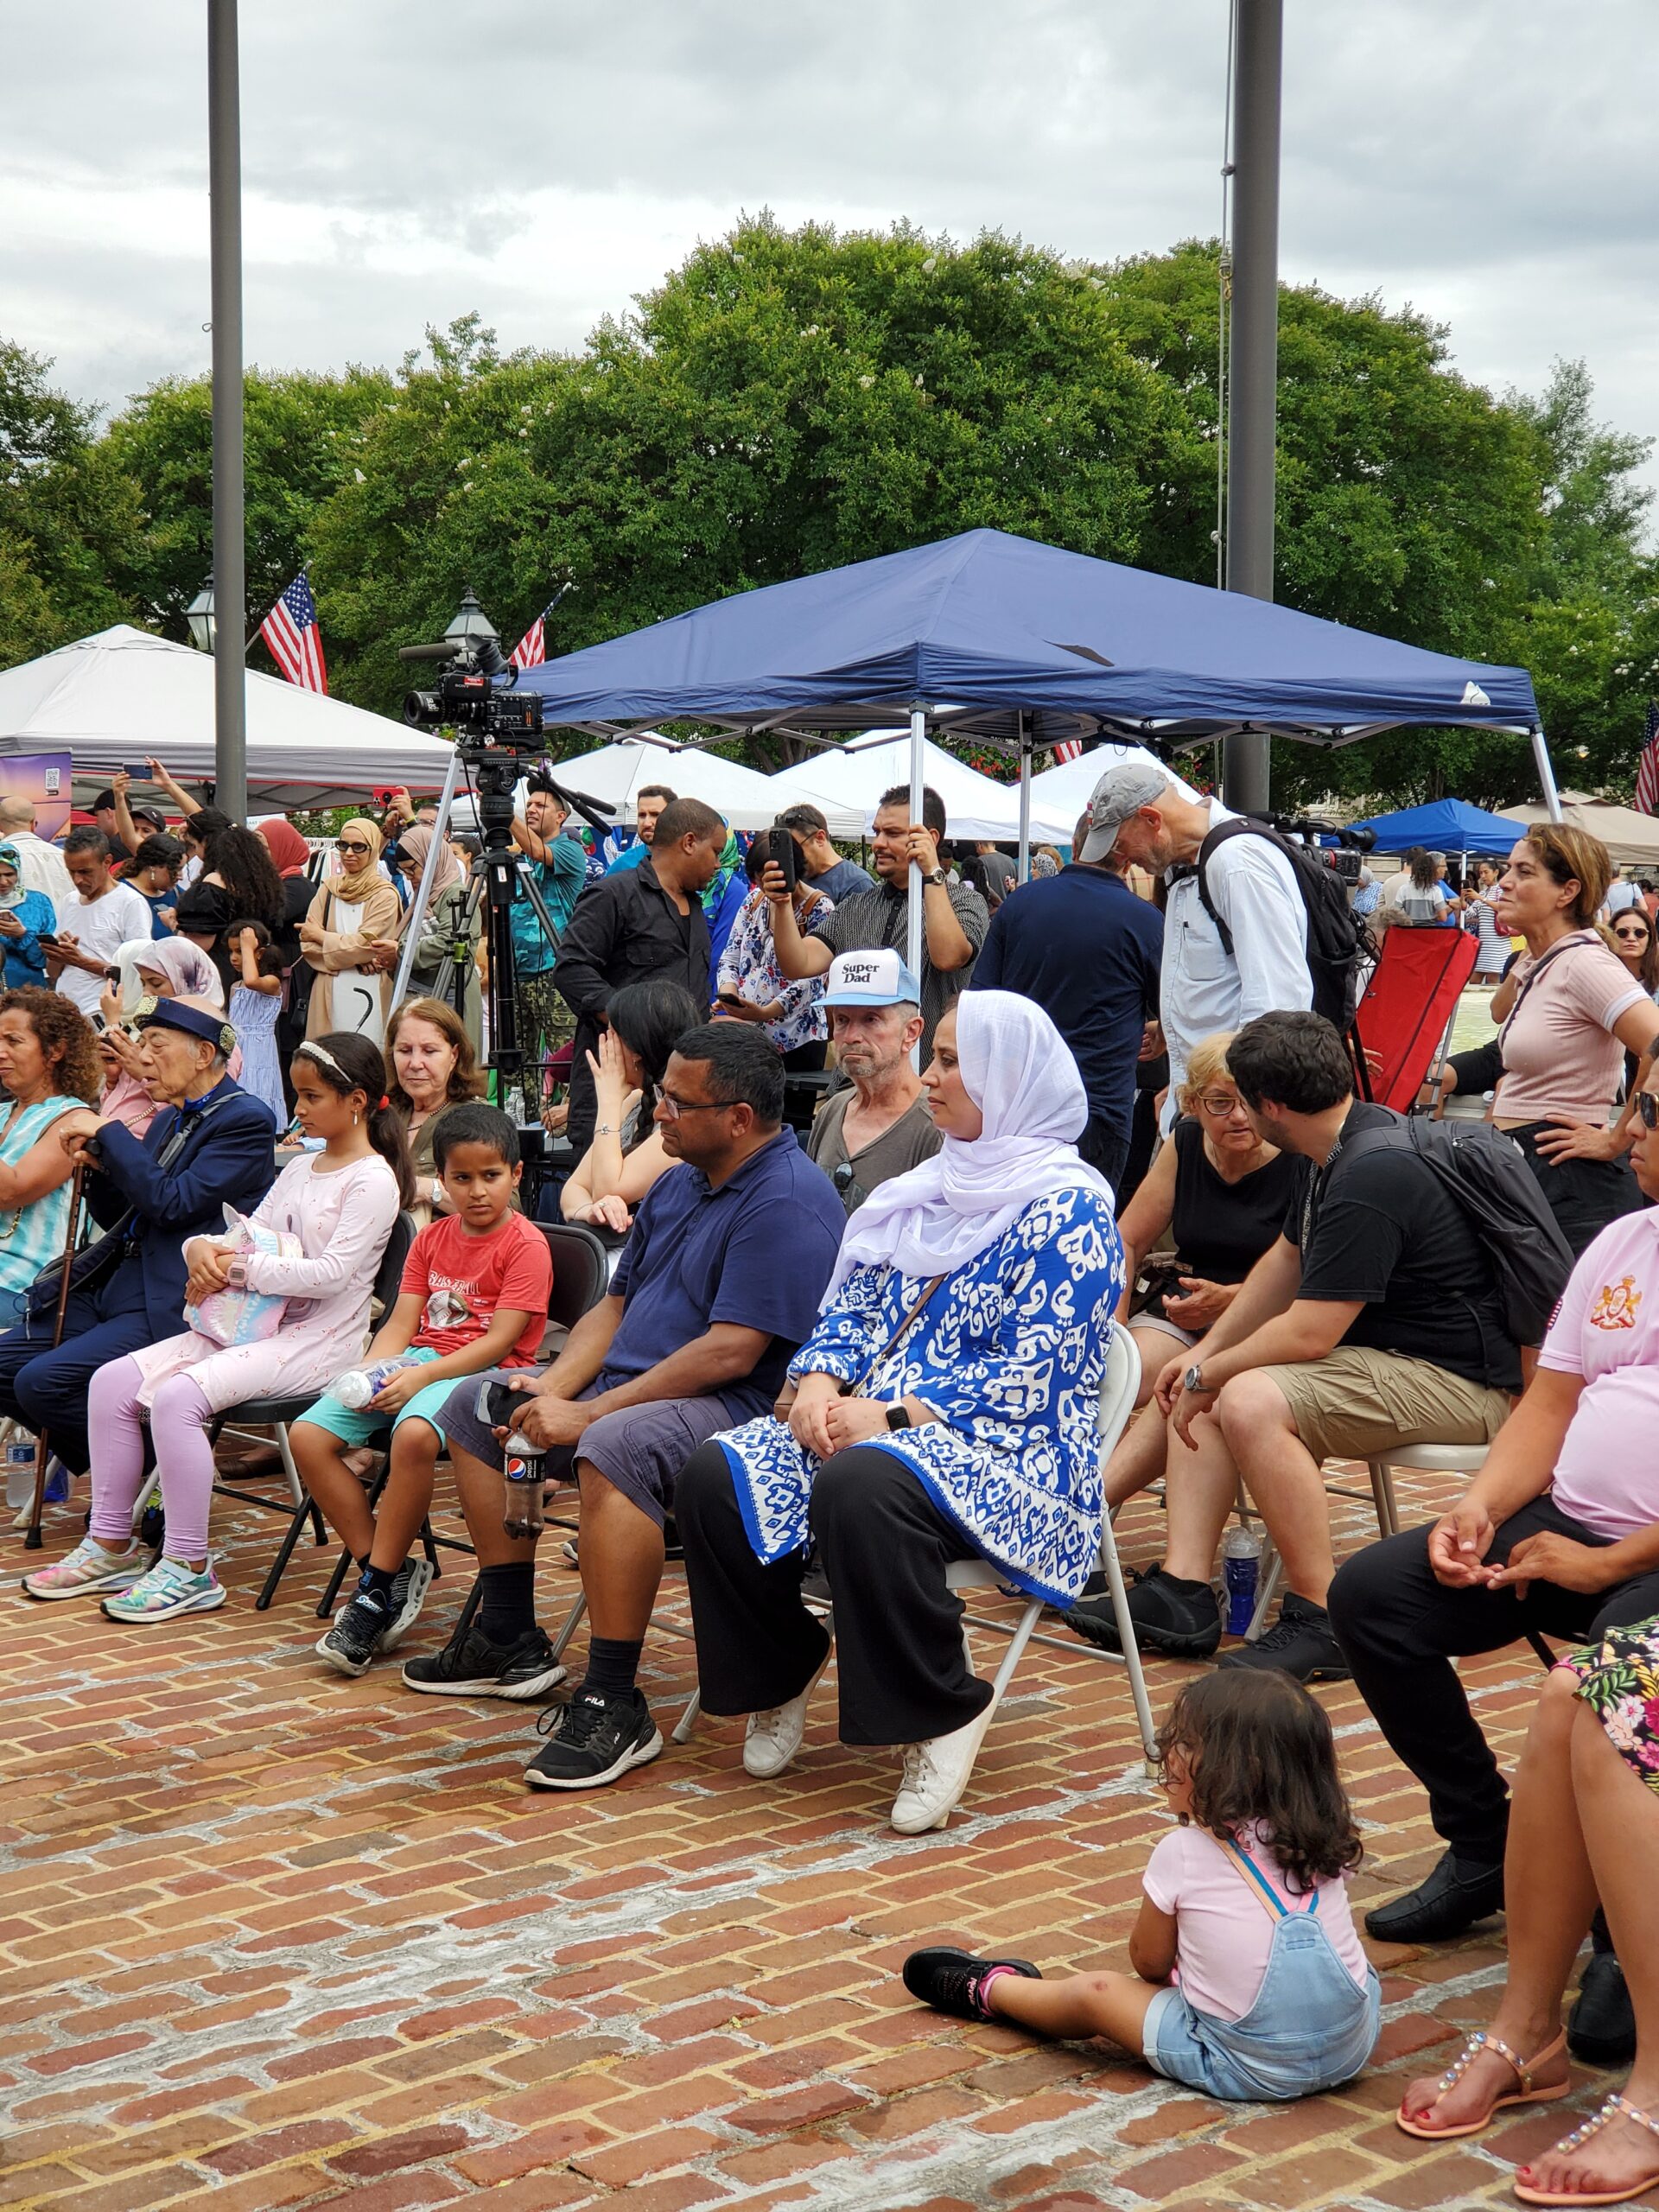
674,1107
1647,1105
350,845
1218,1104
1636,935
843,1176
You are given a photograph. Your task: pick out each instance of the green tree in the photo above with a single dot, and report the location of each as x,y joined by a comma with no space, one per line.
67,516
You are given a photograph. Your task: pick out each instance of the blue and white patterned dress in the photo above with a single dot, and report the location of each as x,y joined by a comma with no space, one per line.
1010,1355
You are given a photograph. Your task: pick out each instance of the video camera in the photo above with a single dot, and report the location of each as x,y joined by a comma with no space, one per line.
475,696
1345,860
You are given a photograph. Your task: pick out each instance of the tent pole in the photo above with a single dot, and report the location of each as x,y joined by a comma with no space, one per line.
1024,874
423,889
917,780
1546,774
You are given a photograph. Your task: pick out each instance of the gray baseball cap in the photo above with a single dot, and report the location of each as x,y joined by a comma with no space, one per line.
1120,792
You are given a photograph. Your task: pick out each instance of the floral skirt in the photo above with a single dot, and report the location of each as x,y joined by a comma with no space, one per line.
1618,1679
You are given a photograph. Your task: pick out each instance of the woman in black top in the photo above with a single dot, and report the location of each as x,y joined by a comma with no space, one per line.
239,879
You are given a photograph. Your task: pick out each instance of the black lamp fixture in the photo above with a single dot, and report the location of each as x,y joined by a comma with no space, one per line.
198,615
471,628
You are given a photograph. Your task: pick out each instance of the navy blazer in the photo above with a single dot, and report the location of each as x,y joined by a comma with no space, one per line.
229,1158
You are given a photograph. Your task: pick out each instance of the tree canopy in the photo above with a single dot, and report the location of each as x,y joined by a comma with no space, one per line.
790,400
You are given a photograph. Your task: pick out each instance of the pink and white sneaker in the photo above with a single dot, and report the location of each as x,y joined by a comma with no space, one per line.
170,1587
88,1571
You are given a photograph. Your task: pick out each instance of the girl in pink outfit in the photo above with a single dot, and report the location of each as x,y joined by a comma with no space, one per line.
341,1203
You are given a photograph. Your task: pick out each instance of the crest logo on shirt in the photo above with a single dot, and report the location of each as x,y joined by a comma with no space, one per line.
1617,1304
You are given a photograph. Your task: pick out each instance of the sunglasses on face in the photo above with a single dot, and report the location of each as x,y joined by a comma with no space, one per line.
350,845
1636,935
1647,1105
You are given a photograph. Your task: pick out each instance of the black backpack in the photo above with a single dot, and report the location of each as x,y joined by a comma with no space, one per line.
1487,1174
1332,933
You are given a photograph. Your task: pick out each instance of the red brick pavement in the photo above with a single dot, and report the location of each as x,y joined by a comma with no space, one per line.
284,1940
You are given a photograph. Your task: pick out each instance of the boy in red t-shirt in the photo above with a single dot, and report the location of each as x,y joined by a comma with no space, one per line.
474,1296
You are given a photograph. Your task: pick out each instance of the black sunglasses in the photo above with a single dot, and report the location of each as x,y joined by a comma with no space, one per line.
1647,1105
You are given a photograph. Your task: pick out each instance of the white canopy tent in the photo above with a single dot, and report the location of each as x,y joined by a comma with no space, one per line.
858,772
122,696
1065,788
617,773
1631,839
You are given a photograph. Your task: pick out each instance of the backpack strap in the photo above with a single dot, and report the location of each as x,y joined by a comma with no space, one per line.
1240,826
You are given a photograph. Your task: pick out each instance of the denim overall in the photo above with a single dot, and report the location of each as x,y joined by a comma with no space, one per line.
1312,2025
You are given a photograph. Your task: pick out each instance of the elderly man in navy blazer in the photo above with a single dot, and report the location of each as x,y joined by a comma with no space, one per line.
211,1146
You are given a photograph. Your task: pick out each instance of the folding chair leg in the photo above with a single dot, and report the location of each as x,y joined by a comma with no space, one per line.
1126,1637
687,1720
291,1536
569,1626
1271,1569
1388,1511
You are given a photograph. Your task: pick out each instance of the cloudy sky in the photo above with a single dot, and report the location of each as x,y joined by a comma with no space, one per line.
543,160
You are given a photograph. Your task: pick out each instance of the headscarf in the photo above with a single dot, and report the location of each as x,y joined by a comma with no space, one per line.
186,966
357,878
414,845
1019,1071
287,848
1044,864
19,891
731,859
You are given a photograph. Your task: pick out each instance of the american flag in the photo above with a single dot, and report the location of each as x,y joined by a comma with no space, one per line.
291,630
1647,774
1069,748
531,649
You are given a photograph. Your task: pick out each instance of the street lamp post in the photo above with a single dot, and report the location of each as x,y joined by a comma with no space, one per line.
228,609
199,620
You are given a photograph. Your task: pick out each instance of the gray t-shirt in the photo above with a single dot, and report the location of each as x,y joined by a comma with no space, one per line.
909,1140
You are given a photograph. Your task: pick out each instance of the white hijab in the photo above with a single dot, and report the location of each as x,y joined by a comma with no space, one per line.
1019,1071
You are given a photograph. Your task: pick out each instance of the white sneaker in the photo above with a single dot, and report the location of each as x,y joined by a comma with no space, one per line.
772,1739
936,1775
87,1569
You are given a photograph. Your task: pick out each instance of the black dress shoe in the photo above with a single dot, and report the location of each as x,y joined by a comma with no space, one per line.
1601,2027
1453,1899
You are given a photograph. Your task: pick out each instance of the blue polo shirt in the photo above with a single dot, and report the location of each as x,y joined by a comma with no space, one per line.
1090,953
756,1253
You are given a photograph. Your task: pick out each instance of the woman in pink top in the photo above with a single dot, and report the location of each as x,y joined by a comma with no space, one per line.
340,1204
1249,1982
1570,1010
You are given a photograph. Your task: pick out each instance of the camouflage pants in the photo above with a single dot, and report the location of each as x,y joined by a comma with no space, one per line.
549,1027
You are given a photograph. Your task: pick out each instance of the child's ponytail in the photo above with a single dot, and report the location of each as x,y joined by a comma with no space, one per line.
347,1063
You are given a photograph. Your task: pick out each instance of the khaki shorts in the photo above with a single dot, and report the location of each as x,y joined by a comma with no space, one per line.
1356,1403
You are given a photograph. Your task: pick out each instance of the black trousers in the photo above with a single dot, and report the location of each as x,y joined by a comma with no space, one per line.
1400,1631
1105,1149
46,1389
884,1545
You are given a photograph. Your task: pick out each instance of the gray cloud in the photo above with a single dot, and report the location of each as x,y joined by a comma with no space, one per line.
543,163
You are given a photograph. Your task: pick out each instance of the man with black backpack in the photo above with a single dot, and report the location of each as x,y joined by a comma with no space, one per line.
1377,1319
1252,924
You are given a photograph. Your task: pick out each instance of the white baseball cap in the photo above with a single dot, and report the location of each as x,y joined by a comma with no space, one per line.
878,978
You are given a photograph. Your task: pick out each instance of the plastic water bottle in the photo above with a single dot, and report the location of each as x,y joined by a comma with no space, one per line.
524,1470
358,1384
20,1468
1240,1565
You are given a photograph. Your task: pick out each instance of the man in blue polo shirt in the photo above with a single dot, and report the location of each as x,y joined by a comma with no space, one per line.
1088,952
718,1284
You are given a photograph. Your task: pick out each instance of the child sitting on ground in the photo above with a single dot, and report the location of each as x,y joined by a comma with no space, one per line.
1249,1982
474,1296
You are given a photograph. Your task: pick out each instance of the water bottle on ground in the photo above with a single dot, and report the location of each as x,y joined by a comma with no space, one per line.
1240,1565
358,1384
20,1450
525,1469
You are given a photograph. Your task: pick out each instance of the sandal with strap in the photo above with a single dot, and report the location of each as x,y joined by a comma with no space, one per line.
1526,2094
1616,2108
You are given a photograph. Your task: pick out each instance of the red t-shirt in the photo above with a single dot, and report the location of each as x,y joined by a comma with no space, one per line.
463,1280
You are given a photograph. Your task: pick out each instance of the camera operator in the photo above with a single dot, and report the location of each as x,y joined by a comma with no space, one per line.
557,866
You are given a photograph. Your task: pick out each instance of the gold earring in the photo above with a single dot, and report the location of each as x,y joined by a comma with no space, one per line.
354,1120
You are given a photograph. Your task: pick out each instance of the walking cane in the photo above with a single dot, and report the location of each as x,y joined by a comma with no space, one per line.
32,1540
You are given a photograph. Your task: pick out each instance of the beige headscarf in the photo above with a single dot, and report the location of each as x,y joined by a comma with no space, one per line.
413,846
359,874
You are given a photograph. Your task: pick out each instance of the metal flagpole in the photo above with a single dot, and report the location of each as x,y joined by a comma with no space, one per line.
423,888
917,781
230,579
1257,66
1024,873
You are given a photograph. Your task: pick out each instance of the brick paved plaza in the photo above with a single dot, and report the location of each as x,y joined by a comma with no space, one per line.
278,1939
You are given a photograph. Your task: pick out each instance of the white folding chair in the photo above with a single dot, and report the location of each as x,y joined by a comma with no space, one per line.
1433,1458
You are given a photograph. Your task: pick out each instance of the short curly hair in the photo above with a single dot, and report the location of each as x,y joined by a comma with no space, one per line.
66,1038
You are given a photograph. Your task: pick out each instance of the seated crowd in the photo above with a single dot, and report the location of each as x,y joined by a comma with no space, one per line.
832,1371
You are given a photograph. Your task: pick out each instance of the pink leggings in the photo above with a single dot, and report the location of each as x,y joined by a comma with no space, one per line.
178,1415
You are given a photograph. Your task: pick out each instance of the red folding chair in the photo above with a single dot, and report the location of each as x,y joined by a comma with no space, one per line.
1409,1007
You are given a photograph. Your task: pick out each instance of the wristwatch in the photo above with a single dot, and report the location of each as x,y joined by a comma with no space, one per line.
937,876
899,1416
1193,1379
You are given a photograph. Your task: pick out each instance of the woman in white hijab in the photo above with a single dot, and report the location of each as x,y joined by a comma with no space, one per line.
945,1408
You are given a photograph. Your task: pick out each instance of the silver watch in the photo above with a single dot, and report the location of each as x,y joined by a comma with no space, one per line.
1193,1379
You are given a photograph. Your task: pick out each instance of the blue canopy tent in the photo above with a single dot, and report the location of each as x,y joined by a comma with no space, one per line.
1443,826
1000,637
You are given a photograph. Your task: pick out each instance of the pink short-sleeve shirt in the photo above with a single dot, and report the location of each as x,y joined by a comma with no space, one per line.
1606,1329
1559,1053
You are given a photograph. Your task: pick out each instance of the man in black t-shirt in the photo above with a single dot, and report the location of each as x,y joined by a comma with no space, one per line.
1374,1321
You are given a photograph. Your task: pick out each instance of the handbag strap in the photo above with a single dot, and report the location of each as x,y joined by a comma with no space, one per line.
1586,936
913,1315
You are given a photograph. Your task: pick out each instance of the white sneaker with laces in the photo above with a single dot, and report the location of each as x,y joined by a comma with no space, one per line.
88,1569
773,1737
936,1775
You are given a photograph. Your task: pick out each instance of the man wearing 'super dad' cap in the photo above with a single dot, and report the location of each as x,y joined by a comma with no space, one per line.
1247,953
879,1127
211,1146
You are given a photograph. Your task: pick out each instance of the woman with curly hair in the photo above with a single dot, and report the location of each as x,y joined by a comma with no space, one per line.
238,881
49,1063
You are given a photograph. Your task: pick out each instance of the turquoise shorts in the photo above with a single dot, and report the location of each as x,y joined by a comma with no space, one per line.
364,1425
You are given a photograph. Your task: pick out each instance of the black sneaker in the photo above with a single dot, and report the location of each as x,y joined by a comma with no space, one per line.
471,1666
1300,1643
1182,1618
356,1636
951,1980
593,1739
409,1588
